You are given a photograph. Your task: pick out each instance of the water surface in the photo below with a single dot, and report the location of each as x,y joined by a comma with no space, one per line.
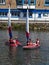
18,56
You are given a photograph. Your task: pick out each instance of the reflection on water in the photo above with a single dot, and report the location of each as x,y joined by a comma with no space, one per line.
12,52
18,56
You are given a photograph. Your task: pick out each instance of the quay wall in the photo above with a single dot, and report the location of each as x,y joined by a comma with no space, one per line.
21,25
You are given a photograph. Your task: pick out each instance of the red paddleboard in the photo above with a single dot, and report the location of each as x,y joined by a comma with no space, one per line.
15,43
31,46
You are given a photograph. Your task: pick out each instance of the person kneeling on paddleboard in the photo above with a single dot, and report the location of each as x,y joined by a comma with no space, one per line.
37,42
29,42
12,41
17,42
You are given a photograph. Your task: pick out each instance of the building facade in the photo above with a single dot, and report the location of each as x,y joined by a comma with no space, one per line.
37,4
38,9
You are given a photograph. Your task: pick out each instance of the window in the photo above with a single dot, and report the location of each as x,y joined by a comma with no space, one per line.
45,14
29,2
19,2
32,2
21,14
47,2
39,15
2,1
3,14
30,14
25,1
15,14
25,14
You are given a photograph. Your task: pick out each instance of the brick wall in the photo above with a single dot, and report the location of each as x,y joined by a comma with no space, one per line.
40,5
13,4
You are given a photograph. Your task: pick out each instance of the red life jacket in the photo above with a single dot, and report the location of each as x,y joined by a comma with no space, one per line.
11,41
18,43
